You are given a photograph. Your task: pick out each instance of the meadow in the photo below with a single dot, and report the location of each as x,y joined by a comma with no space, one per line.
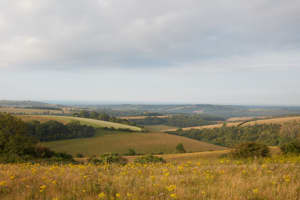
158,128
120,142
91,122
269,178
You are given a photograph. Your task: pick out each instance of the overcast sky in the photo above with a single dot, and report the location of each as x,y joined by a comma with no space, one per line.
191,51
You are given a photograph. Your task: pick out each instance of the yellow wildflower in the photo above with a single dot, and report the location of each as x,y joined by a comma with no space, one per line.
101,195
171,188
255,191
129,194
2,183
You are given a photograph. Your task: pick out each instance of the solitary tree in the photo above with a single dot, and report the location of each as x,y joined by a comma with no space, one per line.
180,148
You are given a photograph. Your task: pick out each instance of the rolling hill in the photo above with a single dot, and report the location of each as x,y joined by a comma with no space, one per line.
120,142
92,122
278,120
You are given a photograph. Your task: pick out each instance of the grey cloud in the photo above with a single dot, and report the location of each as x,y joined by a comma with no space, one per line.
139,33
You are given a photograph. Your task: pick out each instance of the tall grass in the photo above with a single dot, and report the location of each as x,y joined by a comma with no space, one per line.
271,178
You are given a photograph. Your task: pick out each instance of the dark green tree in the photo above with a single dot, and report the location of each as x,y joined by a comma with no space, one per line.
180,148
14,137
291,148
250,150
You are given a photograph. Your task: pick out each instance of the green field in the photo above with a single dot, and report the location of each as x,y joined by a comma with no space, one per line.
120,142
158,128
92,122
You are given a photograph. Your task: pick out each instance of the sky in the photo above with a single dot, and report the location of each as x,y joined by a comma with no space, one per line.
159,51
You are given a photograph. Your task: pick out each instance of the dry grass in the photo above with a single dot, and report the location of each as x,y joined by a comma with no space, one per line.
207,126
277,178
183,157
280,120
66,119
206,155
233,119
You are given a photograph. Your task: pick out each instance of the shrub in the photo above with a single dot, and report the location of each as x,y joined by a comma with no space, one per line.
108,159
149,159
131,152
94,160
43,152
113,158
291,148
180,148
79,155
13,158
250,150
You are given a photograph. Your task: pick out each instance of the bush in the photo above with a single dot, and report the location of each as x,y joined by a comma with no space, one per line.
94,160
108,159
250,150
131,152
149,159
79,155
13,158
113,158
43,152
63,156
180,148
291,148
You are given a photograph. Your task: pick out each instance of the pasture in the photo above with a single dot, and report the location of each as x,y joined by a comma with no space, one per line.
158,128
120,142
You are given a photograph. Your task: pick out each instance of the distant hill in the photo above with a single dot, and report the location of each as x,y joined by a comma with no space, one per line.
225,111
275,120
9,103
216,110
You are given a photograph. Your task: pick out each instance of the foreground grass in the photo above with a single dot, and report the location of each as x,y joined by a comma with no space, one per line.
120,142
277,178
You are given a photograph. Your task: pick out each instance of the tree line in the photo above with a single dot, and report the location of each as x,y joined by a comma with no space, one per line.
17,144
102,116
54,130
269,134
179,120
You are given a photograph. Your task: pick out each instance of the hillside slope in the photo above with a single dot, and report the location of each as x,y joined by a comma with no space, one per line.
278,120
120,142
92,122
